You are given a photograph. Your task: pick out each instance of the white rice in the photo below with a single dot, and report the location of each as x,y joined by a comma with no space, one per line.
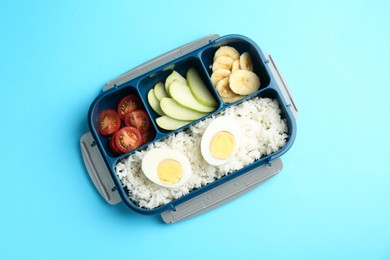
264,132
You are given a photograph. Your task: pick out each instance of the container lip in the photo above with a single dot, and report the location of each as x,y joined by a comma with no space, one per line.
111,161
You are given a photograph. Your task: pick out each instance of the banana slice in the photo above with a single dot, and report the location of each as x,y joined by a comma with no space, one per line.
218,75
224,89
223,62
227,51
227,95
246,62
236,65
244,82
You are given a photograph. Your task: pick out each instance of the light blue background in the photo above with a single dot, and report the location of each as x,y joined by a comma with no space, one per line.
332,199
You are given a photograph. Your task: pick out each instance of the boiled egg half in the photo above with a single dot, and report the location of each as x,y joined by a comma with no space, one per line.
220,141
166,167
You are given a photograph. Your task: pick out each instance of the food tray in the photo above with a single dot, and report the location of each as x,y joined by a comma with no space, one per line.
100,161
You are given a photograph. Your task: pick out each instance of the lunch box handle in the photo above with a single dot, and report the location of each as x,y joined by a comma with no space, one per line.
97,169
223,193
160,61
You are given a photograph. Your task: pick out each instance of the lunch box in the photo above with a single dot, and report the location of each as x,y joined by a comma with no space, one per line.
100,161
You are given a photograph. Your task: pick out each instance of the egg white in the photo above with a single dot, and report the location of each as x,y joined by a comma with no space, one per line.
228,124
152,159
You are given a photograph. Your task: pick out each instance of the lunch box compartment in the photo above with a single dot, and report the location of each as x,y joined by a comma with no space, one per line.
182,66
241,46
110,101
201,59
267,93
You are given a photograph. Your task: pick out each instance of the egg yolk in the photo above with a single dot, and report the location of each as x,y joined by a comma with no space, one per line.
169,171
222,145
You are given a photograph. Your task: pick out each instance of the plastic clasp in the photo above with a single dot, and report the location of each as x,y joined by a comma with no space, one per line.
282,85
97,170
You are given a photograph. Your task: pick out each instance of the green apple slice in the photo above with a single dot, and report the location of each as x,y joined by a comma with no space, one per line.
182,94
174,76
159,91
154,103
199,89
168,123
174,110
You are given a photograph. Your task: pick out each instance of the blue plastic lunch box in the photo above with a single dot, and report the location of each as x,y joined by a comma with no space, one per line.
100,161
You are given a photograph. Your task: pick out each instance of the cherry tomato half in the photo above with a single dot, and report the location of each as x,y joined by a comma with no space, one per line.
127,139
128,104
138,119
108,122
